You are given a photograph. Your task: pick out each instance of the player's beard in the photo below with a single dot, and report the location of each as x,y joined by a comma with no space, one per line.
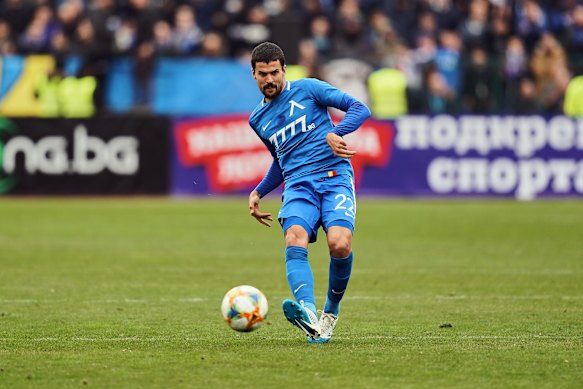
272,93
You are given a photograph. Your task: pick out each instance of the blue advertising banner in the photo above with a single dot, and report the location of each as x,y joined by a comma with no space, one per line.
202,87
524,157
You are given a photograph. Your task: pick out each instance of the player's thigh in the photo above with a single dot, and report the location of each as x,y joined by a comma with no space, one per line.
301,206
339,203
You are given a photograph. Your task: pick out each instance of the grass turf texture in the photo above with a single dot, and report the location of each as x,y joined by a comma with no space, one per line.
126,293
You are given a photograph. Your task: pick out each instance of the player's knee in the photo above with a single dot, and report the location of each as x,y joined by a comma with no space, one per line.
296,236
339,242
340,246
339,249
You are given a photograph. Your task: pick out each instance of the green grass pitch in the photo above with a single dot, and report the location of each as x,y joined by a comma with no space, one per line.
116,293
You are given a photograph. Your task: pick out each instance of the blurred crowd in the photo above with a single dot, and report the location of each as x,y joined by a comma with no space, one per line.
456,56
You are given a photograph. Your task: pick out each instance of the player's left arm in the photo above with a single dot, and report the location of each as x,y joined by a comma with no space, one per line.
356,113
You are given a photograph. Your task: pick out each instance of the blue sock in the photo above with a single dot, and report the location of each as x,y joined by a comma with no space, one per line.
299,276
338,276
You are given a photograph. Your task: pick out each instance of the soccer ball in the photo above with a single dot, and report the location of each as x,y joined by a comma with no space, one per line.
244,308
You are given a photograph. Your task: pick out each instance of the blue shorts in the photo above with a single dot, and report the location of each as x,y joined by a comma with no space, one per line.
317,200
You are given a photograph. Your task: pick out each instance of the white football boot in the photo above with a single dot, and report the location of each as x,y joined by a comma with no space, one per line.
327,323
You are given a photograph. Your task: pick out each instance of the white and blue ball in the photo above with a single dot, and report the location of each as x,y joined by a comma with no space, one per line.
244,308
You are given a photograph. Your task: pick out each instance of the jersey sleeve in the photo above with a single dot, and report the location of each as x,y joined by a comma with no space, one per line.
274,176
327,95
272,180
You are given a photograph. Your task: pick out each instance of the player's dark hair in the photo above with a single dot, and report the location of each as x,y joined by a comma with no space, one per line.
267,52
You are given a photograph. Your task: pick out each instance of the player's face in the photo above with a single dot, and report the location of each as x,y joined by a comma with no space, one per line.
270,78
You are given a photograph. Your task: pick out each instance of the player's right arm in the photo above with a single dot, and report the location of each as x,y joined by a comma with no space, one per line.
272,180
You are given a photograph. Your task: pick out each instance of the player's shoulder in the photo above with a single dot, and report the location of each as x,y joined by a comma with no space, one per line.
255,113
306,83
312,86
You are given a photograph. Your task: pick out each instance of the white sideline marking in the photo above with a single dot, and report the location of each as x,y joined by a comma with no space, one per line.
371,337
106,301
464,297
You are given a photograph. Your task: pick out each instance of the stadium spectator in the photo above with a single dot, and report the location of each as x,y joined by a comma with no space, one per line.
320,32
474,29
388,93
448,64
499,31
403,15
314,8
515,68
287,26
144,15
7,46
446,15
573,105
107,23
187,35
426,25
439,97
213,46
125,37
574,36
527,102
549,67
162,39
382,40
249,28
349,39
530,22
307,64
69,13
477,86
414,63
35,39
18,14
93,56
405,63
59,47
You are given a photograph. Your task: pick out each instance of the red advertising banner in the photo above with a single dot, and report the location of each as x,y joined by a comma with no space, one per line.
234,158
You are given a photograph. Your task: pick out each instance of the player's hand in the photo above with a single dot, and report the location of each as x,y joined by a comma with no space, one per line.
263,218
339,146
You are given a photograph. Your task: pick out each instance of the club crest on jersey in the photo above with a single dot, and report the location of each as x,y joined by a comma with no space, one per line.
293,104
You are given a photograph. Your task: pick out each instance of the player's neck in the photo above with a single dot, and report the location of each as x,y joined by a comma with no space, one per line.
268,100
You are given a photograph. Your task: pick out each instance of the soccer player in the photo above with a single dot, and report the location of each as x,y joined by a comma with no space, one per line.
313,160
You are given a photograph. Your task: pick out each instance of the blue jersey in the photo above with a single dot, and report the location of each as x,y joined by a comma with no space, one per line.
294,126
